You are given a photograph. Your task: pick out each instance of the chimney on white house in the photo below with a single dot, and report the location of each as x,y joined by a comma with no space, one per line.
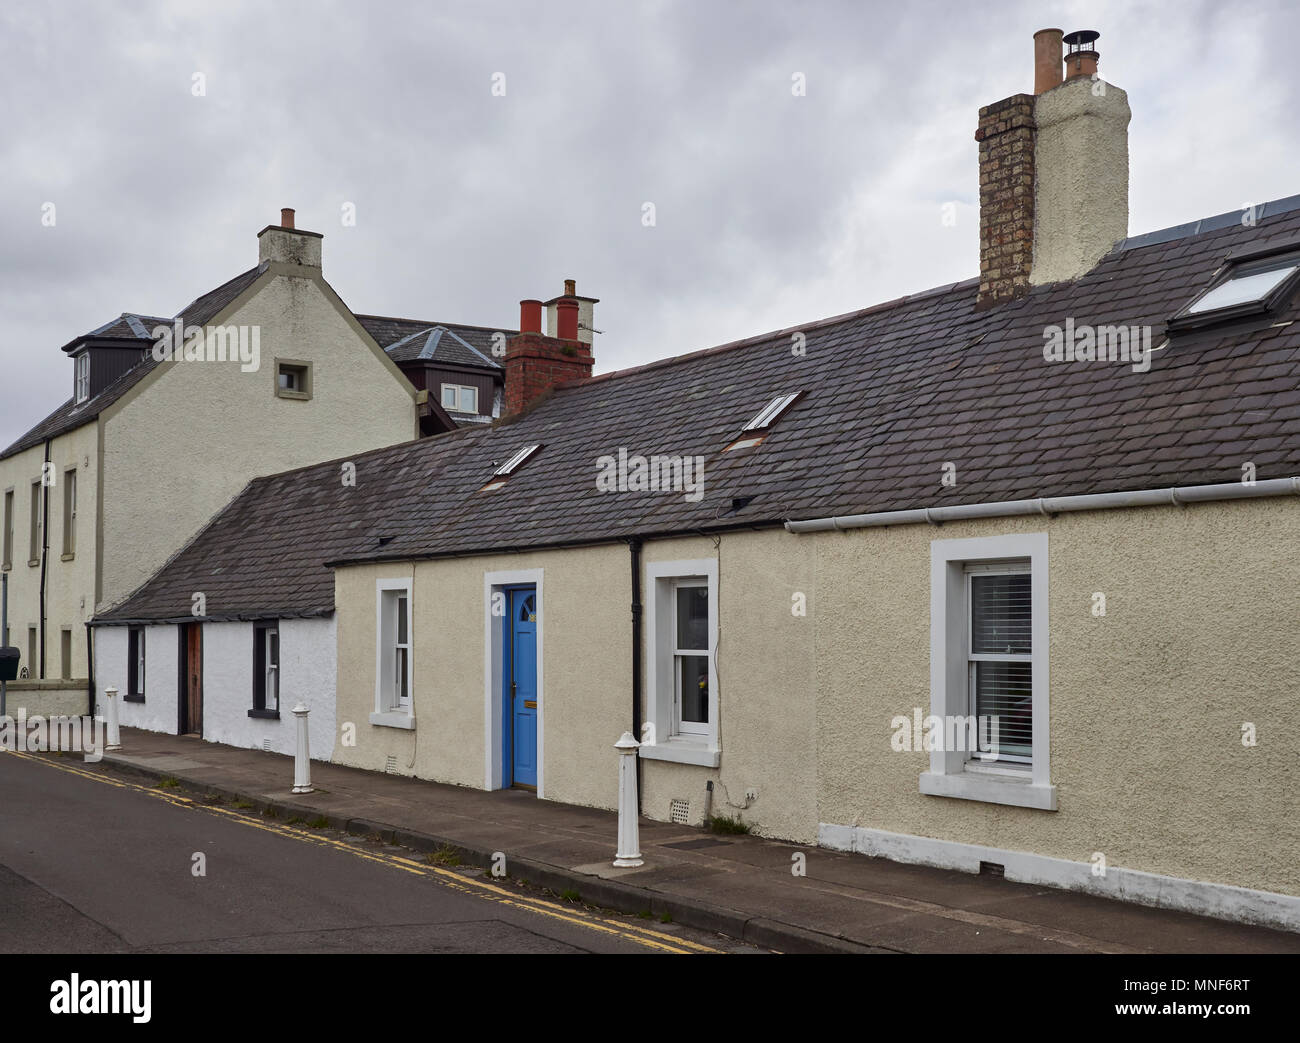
586,312
285,244
1053,172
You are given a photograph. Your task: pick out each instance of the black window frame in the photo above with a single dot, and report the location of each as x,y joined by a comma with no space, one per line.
1240,266
134,689
259,710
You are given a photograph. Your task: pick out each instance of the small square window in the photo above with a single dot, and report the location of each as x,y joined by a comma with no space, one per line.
293,379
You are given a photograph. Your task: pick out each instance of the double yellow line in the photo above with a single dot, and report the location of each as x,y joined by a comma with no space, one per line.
655,940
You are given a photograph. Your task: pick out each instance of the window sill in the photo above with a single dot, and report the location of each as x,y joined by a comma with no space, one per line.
33,562
990,788
393,719
134,698
67,557
682,751
294,396
264,715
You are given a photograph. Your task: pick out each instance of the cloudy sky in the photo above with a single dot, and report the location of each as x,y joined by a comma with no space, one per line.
770,209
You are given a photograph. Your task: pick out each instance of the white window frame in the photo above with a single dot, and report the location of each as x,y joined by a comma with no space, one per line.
82,377
663,737
458,395
972,570
955,773
391,711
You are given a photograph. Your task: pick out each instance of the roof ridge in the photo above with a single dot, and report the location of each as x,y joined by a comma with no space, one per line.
1204,225
760,338
430,323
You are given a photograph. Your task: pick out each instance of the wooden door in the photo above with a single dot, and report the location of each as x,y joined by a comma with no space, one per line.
192,688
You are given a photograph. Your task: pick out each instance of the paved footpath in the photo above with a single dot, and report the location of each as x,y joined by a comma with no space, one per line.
740,886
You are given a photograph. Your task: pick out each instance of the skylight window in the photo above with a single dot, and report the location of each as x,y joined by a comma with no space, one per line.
508,468
1248,288
514,463
769,414
756,430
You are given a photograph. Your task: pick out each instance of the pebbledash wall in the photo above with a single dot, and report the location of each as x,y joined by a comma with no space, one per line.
1147,703
307,654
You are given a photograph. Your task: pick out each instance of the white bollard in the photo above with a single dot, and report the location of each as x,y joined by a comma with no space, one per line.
302,755
114,732
629,829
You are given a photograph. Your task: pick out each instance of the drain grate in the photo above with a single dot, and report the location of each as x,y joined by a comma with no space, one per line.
679,811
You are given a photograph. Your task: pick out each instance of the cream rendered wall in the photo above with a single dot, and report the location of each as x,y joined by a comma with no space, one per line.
1201,634
158,712
586,700
766,675
192,435
70,584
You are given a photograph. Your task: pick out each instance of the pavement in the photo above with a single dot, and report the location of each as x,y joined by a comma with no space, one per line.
738,886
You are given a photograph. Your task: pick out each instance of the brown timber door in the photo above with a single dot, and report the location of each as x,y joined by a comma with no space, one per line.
192,690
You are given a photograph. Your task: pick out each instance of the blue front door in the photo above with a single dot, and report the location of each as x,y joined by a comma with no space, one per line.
520,696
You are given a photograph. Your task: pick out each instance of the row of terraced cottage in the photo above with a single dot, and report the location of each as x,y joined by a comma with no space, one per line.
962,578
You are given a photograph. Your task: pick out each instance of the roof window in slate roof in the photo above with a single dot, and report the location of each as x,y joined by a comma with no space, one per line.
508,468
1242,289
756,430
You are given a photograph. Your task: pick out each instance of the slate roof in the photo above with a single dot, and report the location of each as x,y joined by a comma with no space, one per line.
406,340
70,415
890,394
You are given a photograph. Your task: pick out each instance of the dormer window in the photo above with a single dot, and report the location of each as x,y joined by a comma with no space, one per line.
82,377
1245,288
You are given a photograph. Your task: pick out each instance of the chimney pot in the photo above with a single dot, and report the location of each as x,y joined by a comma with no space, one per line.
566,309
286,217
1047,60
570,287
1081,57
530,316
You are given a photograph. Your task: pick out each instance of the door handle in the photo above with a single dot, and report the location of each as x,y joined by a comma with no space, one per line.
530,704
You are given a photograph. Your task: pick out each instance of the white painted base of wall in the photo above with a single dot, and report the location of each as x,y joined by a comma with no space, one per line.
1222,901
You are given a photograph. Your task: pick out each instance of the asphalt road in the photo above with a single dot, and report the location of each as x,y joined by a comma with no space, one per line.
96,862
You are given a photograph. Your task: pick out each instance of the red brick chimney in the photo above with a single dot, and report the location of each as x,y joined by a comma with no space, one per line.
535,363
